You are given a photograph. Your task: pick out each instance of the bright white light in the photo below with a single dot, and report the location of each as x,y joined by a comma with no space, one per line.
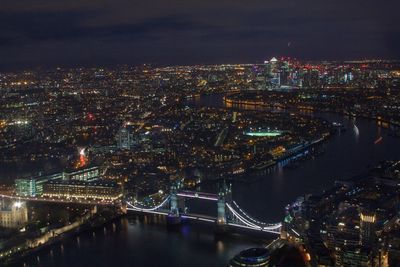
197,196
356,131
82,151
147,209
18,204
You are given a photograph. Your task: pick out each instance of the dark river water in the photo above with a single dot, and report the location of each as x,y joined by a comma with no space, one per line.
146,242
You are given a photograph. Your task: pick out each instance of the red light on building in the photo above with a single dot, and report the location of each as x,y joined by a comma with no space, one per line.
90,116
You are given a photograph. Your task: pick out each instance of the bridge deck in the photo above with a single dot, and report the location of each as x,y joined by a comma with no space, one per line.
200,195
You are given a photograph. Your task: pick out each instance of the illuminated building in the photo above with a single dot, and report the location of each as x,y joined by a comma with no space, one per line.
13,215
278,151
356,256
273,74
125,138
86,174
251,257
234,116
98,190
33,186
284,73
367,228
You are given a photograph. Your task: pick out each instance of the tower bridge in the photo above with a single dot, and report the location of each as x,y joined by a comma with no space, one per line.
229,214
175,207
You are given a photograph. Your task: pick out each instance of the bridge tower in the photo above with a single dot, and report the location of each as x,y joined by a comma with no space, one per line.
124,207
174,210
224,195
221,210
174,216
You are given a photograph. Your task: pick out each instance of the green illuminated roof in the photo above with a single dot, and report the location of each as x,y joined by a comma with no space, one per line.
264,133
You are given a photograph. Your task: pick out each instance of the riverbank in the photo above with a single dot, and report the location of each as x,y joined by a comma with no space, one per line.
386,123
298,153
91,220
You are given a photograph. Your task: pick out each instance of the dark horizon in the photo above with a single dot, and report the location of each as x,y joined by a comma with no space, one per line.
71,34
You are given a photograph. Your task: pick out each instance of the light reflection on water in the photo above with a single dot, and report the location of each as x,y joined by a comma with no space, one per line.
140,241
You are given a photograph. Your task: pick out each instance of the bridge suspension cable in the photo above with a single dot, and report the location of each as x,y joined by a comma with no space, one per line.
149,209
247,216
254,220
241,219
268,227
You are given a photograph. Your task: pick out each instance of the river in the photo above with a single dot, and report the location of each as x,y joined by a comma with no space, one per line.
347,154
134,242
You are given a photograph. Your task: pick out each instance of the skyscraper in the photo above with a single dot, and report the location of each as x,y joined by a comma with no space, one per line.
273,78
367,228
124,138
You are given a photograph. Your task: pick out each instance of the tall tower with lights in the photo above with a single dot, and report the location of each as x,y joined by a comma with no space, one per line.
367,228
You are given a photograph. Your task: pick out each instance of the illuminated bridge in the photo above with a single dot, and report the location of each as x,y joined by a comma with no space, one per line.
229,213
174,206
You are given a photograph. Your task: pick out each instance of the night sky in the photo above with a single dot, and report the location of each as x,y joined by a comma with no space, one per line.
167,32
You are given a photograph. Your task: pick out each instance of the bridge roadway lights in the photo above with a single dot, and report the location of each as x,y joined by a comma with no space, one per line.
124,208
